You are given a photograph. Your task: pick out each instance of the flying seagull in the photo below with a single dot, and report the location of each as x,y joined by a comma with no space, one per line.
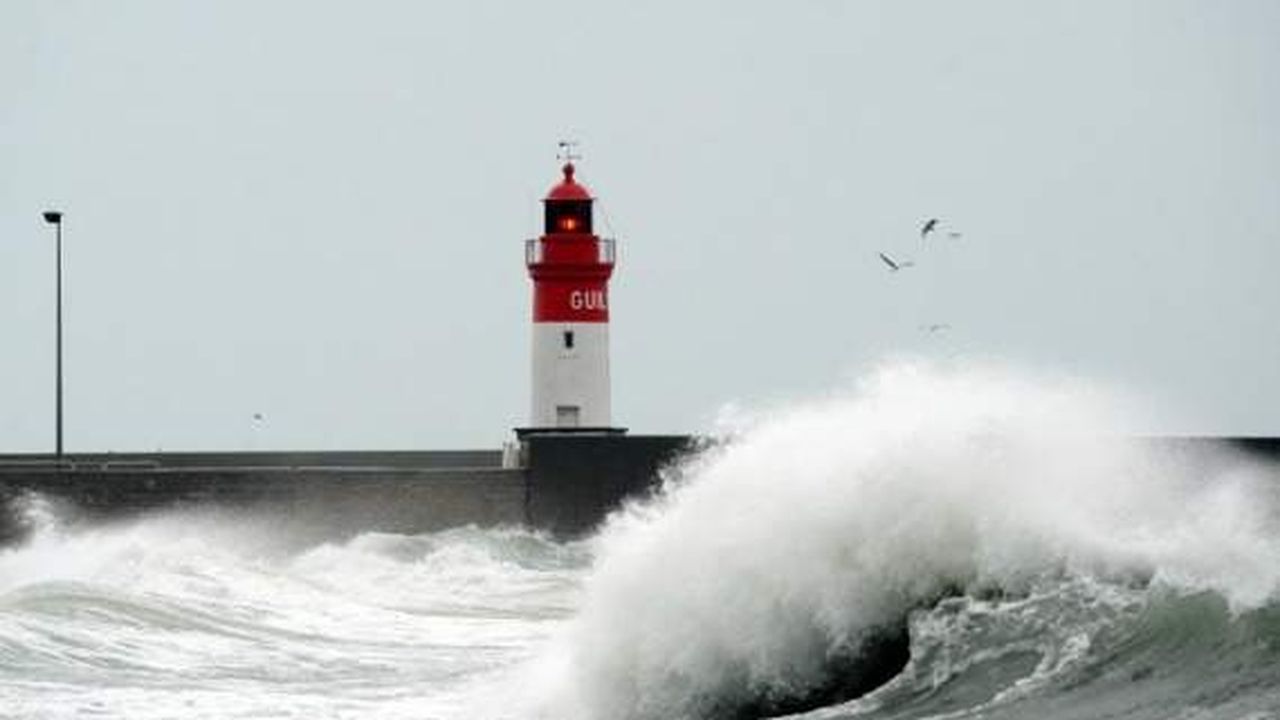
893,265
954,235
929,227
935,327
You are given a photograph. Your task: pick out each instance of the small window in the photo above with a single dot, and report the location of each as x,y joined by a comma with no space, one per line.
568,339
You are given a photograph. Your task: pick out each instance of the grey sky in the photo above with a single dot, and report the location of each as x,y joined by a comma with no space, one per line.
315,211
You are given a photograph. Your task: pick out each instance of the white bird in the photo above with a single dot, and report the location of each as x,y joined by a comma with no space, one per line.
893,265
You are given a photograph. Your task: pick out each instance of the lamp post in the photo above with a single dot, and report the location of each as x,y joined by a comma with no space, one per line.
54,218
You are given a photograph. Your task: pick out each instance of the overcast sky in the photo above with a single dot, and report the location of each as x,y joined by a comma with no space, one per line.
314,211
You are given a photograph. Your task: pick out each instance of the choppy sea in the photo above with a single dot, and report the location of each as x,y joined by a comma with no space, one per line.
1045,565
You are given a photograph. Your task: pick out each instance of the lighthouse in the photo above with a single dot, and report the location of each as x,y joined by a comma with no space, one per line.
570,267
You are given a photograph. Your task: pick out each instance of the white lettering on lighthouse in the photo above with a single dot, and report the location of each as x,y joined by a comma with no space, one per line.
587,300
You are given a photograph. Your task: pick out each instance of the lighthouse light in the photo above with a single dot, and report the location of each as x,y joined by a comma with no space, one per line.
568,216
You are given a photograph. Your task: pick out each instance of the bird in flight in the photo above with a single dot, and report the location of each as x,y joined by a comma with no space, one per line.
895,266
929,226
935,327
954,235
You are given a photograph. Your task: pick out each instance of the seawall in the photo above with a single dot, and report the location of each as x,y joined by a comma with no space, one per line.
564,484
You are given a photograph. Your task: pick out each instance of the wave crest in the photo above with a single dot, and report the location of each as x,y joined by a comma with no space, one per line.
817,526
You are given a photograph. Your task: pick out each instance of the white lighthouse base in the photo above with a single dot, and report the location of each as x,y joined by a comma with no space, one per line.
570,375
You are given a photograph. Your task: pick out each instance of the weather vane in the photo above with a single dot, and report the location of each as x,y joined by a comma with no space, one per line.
568,151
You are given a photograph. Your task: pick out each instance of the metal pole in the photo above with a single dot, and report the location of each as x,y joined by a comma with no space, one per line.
59,291
54,218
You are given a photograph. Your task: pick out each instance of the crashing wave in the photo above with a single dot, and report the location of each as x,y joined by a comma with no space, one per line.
775,572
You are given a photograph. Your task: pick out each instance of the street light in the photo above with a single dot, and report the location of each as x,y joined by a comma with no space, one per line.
54,218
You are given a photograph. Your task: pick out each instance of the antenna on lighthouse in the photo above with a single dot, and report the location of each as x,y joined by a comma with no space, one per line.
568,151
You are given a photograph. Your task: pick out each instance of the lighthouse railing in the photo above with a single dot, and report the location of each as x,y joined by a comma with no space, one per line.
535,251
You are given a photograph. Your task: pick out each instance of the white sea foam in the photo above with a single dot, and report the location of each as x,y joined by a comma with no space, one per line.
213,615
815,523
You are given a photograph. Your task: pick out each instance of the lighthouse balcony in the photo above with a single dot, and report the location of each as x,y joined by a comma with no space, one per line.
591,251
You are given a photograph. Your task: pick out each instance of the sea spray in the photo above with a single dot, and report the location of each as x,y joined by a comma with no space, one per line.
811,529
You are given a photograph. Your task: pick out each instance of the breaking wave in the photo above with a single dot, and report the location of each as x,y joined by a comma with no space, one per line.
1079,563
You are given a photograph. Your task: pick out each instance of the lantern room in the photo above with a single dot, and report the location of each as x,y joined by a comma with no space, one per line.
567,207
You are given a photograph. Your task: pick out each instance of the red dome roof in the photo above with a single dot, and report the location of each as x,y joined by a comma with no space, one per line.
568,189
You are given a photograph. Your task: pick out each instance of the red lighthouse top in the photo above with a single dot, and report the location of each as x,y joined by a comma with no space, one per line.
570,265
568,188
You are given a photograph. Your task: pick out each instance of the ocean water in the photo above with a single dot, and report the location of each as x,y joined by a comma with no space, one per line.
1044,565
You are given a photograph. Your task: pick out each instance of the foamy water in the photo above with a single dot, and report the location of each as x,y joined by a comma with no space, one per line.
181,616
1083,575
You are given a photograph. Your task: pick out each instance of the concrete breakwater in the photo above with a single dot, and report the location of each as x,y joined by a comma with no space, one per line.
565,484
561,483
